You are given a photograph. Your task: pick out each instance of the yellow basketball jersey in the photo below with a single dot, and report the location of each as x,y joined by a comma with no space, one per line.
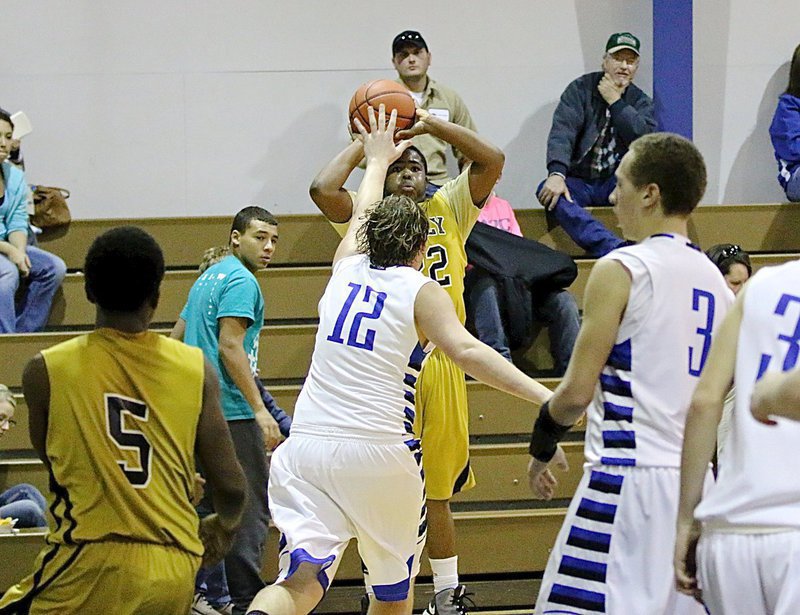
452,215
123,416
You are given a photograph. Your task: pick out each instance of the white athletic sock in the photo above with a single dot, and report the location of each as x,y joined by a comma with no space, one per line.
445,573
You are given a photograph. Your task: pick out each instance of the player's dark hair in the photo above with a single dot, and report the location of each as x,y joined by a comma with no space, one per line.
794,74
123,270
725,255
394,231
675,165
5,115
252,212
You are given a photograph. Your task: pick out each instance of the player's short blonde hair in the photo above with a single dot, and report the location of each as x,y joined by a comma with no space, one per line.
212,256
395,230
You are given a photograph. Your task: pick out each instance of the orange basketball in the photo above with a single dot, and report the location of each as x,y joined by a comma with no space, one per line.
391,94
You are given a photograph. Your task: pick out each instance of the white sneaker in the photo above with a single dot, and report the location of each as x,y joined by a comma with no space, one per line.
200,606
453,601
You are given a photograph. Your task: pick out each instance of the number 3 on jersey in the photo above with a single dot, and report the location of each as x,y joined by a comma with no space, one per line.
702,300
127,439
372,298
792,340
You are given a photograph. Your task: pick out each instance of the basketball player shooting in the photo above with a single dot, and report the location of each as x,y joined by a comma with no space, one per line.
352,433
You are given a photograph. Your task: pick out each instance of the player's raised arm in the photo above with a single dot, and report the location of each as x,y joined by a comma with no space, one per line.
327,189
380,151
487,159
217,457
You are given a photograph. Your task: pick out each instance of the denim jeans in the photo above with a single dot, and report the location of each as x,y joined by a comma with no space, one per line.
793,187
583,228
24,503
484,311
556,310
31,313
213,583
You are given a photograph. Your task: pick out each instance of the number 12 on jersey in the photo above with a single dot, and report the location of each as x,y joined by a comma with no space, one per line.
375,300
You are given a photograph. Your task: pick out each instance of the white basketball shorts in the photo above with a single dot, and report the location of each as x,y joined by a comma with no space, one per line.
324,491
750,573
614,552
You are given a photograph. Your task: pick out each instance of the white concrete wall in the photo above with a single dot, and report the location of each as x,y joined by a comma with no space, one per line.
742,51
178,107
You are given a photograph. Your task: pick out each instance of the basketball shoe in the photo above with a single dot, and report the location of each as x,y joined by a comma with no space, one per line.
452,601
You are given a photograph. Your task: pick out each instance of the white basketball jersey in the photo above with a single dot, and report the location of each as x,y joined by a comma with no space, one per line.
759,481
677,300
367,355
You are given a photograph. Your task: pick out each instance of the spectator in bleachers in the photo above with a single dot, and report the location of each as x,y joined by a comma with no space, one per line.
212,596
223,316
599,115
411,58
785,132
487,308
40,271
21,502
733,263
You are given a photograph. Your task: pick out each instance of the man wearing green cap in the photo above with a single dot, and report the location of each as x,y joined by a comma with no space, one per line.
599,115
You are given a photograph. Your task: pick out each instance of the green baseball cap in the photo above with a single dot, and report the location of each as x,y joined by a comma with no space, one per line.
622,40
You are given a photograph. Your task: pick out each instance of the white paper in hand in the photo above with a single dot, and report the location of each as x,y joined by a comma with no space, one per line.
22,125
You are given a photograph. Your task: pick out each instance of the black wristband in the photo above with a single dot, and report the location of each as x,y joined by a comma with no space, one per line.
546,435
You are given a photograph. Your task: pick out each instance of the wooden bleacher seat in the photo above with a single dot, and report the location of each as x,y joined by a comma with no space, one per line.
310,240
500,528
290,293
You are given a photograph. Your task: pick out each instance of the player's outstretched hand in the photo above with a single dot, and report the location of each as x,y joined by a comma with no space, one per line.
269,429
685,561
541,479
420,127
379,142
216,539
